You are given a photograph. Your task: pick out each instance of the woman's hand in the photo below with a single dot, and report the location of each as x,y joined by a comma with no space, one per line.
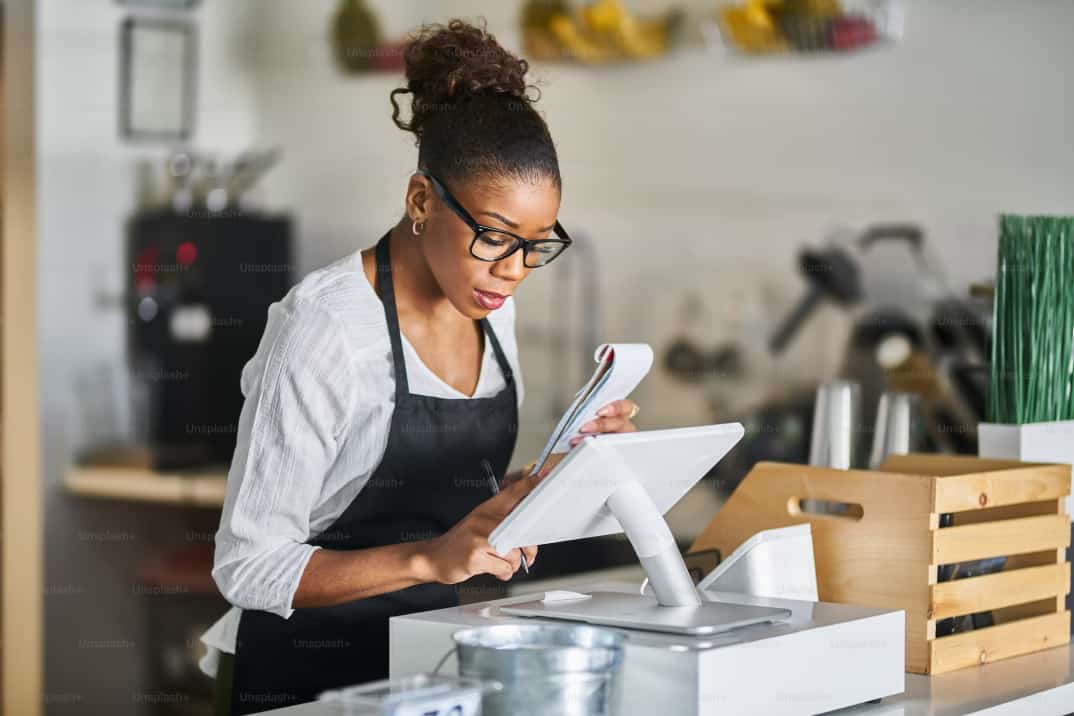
464,550
614,417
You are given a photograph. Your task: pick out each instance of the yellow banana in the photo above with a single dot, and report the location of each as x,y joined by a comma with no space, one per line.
577,44
746,34
630,36
756,12
604,15
640,40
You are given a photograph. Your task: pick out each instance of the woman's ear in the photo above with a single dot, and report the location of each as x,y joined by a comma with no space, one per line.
418,198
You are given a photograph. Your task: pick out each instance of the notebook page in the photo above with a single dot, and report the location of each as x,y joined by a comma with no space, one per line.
621,367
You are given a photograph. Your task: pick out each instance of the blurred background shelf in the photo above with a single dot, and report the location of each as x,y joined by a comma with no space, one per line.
117,482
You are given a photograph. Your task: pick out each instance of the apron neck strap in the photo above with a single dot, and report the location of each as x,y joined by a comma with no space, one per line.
387,297
505,367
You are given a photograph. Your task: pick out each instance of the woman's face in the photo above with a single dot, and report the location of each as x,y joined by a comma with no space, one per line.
476,287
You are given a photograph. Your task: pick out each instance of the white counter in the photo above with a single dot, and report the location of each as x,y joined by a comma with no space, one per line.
1040,684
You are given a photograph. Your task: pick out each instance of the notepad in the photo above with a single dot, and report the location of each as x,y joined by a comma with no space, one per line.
620,367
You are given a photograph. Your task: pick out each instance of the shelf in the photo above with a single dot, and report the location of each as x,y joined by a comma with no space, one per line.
194,489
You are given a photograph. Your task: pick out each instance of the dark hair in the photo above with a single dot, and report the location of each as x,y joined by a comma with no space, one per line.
471,109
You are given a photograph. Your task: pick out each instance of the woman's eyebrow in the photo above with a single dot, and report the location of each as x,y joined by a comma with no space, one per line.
510,223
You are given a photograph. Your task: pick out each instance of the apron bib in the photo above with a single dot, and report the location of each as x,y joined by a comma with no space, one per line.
429,479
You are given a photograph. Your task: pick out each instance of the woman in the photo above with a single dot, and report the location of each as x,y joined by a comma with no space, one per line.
381,384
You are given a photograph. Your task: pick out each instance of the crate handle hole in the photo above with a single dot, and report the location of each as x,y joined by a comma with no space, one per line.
804,507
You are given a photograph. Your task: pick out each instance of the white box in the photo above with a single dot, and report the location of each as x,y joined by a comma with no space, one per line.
1030,442
828,656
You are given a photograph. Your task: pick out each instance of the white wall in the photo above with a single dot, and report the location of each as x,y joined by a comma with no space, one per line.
698,174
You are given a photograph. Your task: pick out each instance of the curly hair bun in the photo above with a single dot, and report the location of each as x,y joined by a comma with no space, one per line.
471,113
448,63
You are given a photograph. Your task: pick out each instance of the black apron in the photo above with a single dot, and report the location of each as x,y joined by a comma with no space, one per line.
429,479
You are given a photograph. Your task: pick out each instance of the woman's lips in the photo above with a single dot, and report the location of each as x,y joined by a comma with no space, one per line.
489,300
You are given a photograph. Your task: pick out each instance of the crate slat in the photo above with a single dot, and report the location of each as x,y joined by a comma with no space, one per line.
1007,512
957,493
939,465
982,646
999,539
1004,589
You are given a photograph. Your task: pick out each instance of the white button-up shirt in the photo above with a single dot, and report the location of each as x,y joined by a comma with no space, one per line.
319,392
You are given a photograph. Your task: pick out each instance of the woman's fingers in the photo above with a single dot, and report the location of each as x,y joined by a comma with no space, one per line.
614,417
607,425
503,568
484,520
618,408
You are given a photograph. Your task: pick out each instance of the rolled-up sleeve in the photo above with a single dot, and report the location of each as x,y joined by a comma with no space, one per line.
298,389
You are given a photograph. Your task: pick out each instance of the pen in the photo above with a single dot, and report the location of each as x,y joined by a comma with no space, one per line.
495,486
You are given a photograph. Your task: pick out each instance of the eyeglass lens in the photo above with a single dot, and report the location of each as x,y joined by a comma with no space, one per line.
494,245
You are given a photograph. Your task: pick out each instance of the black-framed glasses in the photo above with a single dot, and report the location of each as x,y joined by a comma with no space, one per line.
492,244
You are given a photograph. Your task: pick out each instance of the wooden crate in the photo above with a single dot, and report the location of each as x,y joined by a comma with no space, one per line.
885,548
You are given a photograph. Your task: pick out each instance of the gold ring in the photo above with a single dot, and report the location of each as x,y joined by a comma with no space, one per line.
634,411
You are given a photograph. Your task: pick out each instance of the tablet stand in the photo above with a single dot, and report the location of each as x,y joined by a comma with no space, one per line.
678,606
655,546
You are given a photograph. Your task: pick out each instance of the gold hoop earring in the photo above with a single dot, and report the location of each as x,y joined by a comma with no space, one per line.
414,228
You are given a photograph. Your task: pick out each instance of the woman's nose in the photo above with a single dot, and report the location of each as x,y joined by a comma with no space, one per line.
512,268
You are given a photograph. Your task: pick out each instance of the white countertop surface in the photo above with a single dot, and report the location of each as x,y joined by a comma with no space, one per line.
1040,684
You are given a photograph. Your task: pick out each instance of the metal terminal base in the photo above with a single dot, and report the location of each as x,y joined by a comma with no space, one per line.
635,611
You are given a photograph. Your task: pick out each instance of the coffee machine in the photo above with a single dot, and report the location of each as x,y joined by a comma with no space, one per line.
199,288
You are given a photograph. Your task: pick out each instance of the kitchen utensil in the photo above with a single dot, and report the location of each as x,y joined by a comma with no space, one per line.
836,424
897,428
248,169
833,274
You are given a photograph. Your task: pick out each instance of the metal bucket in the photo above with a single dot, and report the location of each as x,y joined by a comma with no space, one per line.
545,670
